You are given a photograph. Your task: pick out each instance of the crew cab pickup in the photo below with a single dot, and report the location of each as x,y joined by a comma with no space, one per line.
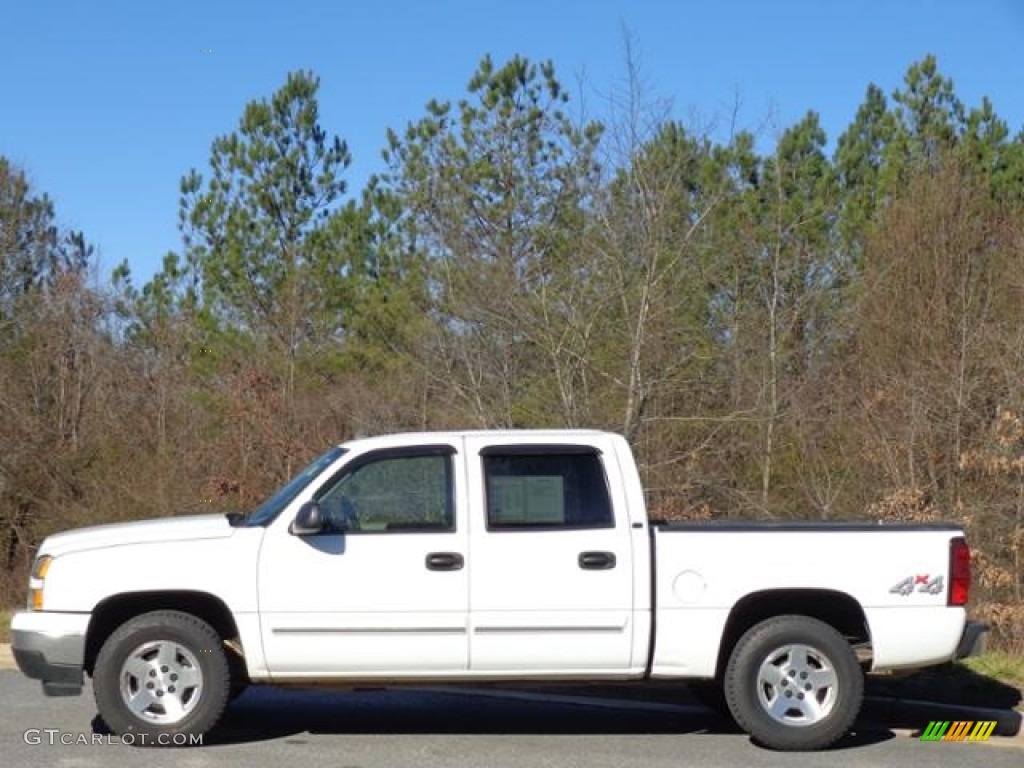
487,556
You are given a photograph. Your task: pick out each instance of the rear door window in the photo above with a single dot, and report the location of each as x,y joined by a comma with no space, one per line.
557,490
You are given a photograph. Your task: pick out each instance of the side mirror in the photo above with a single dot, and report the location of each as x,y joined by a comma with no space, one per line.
308,520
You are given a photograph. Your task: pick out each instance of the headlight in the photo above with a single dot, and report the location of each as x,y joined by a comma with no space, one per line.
35,592
41,567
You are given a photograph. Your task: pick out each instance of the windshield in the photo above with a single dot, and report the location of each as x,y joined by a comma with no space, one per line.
271,508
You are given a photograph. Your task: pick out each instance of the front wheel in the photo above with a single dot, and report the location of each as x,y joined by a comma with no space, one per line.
163,678
793,683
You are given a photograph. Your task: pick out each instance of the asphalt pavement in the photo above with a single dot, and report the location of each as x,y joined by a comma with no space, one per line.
442,726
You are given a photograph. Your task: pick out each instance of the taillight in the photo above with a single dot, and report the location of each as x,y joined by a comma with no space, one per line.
959,571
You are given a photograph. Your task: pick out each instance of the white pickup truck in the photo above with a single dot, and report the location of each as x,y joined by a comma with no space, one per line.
487,556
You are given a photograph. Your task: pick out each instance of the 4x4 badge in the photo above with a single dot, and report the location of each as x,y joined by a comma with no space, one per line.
931,586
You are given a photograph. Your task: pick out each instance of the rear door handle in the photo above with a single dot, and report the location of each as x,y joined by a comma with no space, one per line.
445,561
596,561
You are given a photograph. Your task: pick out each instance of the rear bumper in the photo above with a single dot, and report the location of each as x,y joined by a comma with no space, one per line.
972,641
50,647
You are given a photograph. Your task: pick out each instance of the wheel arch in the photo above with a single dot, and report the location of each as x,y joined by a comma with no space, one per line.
115,610
838,609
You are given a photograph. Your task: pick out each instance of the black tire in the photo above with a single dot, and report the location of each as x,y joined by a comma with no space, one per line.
239,676
793,683
162,660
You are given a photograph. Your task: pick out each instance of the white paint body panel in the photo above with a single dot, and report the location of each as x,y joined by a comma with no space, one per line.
364,606
908,638
534,609
188,528
222,565
703,573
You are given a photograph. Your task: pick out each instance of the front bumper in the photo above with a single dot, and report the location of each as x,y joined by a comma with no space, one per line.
972,641
50,647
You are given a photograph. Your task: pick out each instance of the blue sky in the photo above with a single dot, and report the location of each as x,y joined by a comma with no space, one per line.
107,104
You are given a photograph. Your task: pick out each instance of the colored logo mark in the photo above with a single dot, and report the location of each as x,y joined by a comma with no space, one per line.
958,730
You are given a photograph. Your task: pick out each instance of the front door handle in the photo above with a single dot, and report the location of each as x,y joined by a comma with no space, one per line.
445,561
596,561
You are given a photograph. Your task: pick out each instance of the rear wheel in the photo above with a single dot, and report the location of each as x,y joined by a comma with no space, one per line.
793,683
161,677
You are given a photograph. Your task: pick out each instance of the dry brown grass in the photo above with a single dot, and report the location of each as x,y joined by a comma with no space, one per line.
5,625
